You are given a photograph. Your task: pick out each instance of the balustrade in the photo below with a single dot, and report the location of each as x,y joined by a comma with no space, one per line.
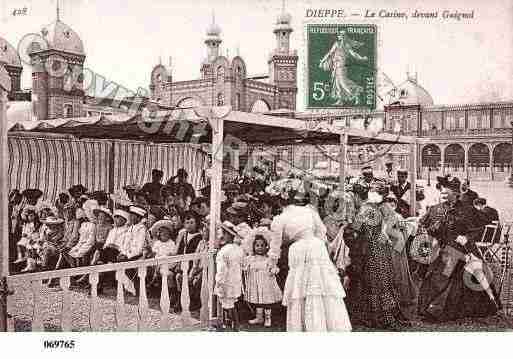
122,273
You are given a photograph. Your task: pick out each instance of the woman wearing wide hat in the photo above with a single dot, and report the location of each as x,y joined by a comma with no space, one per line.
313,294
456,286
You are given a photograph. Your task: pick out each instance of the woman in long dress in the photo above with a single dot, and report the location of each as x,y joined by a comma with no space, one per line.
343,89
373,298
313,293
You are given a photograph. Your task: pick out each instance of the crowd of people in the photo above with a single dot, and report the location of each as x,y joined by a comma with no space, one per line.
288,253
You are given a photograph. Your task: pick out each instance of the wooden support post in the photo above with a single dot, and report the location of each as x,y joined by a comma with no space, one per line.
5,87
413,178
111,160
217,126
342,161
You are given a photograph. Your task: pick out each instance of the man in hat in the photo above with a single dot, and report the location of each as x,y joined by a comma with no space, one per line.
130,190
402,193
77,191
467,196
52,237
153,189
447,293
367,174
31,196
388,170
183,188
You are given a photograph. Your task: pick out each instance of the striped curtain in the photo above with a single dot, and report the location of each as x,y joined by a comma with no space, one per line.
136,160
54,165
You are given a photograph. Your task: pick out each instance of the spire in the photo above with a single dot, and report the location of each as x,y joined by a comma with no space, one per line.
170,62
160,60
58,11
237,50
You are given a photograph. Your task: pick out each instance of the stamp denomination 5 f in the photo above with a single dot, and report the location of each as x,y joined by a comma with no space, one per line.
341,65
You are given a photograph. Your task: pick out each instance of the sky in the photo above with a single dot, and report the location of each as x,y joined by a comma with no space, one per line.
466,61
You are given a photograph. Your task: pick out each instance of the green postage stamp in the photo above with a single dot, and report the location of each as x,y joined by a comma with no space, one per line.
341,65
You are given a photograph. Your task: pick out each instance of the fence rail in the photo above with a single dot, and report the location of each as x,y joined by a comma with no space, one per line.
167,267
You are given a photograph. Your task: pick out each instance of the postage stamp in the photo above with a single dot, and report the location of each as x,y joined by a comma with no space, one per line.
341,65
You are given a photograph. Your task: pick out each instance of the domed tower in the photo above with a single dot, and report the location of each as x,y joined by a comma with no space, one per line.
404,112
57,72
283,63
213,40
161,84
10,59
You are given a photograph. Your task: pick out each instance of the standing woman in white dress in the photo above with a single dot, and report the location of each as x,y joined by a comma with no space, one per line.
313,293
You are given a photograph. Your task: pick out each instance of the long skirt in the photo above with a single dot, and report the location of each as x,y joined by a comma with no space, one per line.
449,292
373,298
313,294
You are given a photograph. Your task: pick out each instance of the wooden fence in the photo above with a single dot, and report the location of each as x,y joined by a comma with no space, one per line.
35,280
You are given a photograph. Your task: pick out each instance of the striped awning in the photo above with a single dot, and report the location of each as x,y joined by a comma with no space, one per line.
191,125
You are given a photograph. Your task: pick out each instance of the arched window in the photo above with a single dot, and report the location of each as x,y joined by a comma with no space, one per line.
220,99
220,73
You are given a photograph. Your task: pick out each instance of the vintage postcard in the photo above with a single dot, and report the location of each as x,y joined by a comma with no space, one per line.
255,166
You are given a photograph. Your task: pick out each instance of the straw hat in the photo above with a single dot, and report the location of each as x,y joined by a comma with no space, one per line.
52,221
230,228
89,206
163,223
137,210
122,214
104,210
238,208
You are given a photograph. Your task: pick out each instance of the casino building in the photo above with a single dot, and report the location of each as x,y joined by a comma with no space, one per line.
467,140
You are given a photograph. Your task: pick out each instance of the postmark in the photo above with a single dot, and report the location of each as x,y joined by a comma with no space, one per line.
342,66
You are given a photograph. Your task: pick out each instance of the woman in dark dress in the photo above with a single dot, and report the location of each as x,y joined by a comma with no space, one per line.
372,296
455,286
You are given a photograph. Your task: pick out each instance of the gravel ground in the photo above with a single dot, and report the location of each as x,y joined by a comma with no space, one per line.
21,308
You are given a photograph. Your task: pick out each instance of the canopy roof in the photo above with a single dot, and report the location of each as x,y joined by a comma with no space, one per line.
192,125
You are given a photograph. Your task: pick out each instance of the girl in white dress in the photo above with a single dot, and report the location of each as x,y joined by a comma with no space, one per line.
228,287
313,293
262,290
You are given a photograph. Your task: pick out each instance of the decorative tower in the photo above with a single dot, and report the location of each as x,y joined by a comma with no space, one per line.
57,72
213,40
161,84
11,61
283,63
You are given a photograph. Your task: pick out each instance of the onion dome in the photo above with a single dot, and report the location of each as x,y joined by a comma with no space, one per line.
61,37
411,93
8,54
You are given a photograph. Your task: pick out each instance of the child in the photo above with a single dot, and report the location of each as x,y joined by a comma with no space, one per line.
87,236
228,287
29,237
164,245
188,239
104,221
115,238
260,276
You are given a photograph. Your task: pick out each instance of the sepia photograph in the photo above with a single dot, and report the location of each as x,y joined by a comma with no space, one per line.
255,166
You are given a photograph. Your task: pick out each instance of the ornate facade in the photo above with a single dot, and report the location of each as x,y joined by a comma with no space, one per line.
225,81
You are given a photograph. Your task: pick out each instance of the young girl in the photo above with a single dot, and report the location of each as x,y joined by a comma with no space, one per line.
262,290
29,235
228,287
163,246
